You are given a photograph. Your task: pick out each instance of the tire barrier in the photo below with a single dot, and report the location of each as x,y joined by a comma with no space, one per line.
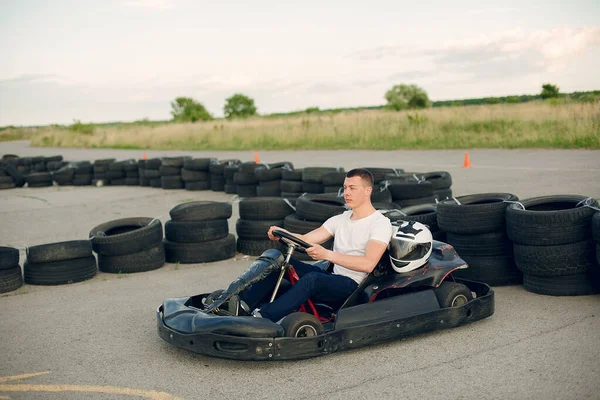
10,270
59,263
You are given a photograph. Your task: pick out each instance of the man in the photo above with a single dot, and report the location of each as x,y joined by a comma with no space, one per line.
361,236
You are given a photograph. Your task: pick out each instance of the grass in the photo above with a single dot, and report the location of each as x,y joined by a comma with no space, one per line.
533,124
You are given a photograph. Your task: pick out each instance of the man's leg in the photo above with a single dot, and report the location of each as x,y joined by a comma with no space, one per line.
328,288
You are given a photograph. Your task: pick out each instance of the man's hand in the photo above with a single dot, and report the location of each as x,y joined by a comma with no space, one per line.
270,232
318,252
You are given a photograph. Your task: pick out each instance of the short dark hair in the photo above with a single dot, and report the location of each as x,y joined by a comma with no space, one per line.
365,174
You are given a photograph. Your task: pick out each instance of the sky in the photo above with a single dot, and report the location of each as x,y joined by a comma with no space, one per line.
125,60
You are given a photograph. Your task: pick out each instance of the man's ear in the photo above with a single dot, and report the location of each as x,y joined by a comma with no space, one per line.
369,190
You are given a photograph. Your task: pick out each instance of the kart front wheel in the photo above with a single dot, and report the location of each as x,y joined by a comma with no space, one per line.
301,324
452,294
212,297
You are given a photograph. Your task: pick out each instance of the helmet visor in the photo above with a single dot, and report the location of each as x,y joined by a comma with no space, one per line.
408,250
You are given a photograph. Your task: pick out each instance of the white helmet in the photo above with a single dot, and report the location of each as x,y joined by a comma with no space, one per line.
410,246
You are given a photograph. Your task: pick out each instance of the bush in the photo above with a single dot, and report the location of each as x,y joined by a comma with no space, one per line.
239,106
79,127
401,97
185,109
549,91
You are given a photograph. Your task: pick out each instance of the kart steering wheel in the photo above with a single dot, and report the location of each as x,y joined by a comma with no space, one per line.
284,237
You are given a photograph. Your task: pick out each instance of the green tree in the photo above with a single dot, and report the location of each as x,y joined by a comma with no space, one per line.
549,91
185,109
239,106
403,96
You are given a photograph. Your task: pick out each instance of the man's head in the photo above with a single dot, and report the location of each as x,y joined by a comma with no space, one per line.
358,187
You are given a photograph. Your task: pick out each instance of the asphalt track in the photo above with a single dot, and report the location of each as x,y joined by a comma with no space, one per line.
97,339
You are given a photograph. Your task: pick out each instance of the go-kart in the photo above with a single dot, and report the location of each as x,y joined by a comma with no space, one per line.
387,305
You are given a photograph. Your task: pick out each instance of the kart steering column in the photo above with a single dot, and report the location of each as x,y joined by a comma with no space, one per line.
284,268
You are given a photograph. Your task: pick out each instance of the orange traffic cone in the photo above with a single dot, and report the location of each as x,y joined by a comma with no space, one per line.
256,157
145,157
467,163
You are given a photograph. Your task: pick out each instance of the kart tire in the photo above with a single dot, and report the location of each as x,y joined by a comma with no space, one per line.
264,208
126,236
564,259
380,194
40,184
104,161
266,191
197,185
114,174
291,196
333,189
493,270
264,174
596,227
334,178
483,244
319,207
257,247
452,294
246,190
409,190
128,182
439,179
17,176
212,297
442,194
300,324
477,213
192,175
230,188
156,183
294,175
415,202
196,231
568,285
198,164
164,170
144,182
217,184
217,167
201,211
152,173
244,178
192,253
550,220
315,174
10,279
248,167
312,187
39,177
145,260
294,224
60,272
59,251
9,257
173,162
171,182
255,230
380,173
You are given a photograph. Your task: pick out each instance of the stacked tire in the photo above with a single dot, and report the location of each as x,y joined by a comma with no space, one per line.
596,235
423,213
143,180
475,226
256,216
10,177
312,178
129,245
100,170
132,173
245,179
217,173
152,172
11,277
60,263
195,173
291,183
229,171
115,175
82,173
553,244
410,193
198,232
333,181
170,173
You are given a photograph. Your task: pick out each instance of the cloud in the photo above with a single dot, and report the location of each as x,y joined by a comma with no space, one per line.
150,4
502,54
496,10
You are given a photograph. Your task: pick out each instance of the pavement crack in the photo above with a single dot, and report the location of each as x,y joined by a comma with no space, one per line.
453,360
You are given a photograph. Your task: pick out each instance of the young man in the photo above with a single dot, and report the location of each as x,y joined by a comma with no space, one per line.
361,236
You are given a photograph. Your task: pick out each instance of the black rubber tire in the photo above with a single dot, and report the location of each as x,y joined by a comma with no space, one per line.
218,167
550,220
217,183
171,182
312,187
246,191
104,161
144,182
315,174
6,179
266,175
598,254
482,244
568,285
10,185
319,207
152,173
264,208
169,171
248,167
493,270
191,175
409,190
59,251
60,272
191,253
129,181
404,203
270,185
334,178
262,191
333,189
18,177
300,324
423,213
9,257
198,164
114,174
196,231
145,260
564,259
291,196
156,183
292,174
596,227
201,211
452,294
293,224
380,173
40,184
230,188
255,230
442,194
153,163
173,162
126,235
197,185
132,174
257,247
244,178
10,279
230,171
438,179
39,177
477,213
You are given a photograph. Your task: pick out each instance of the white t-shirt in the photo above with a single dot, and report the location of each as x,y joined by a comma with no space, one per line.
351,237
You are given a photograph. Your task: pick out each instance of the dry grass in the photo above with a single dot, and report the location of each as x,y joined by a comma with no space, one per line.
534,124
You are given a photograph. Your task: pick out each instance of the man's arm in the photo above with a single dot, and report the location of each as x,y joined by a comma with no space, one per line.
366,263
317,236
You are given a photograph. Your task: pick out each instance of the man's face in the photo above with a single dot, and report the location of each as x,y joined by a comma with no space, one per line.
356,191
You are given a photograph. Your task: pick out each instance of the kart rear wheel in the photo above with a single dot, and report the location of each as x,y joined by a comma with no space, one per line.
451,294
301,324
